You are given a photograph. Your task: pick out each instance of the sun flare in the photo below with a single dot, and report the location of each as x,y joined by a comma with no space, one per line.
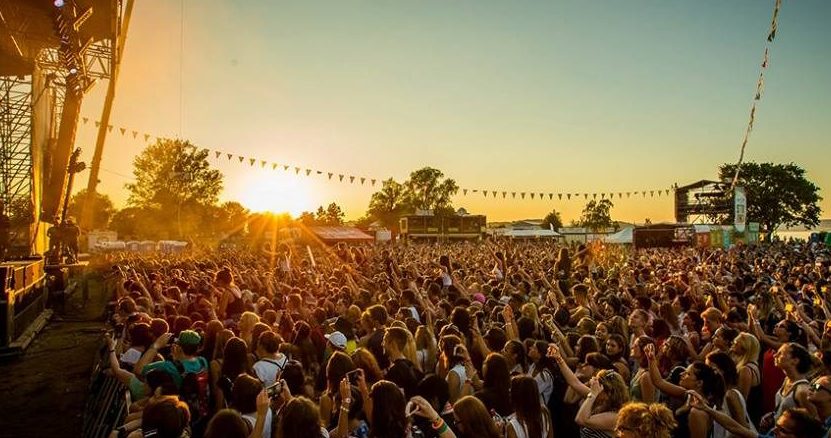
277,194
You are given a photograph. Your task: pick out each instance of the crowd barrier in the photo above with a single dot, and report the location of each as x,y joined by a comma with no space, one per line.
108,400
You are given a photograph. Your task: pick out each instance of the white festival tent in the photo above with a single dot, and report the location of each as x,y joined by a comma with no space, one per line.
623,236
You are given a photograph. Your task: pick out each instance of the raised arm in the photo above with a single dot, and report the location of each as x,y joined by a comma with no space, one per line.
572,380
657,379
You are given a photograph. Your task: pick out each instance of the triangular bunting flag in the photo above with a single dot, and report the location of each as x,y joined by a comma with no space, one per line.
363,180
146,137
217,154
523,195
475,191
135,133
330,175
373,182
97,124
532,195
351,179
644,194
274,166
504,194
628,194
296,170
493,193
263,163
308,172
252,161
123,130
568,195
602,196
765,59
340,177
240,158
513,195
620,195
594,195
560,196
585,196
550,196
319,172
652,193
86,119
485,193
464,192
109,128
230,156
773,21
286,167
667,192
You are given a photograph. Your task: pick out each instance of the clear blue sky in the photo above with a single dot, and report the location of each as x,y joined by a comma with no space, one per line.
542,96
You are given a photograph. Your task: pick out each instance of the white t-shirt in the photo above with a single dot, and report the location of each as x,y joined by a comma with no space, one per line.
130,356
252,420
545,382
520,430
267,369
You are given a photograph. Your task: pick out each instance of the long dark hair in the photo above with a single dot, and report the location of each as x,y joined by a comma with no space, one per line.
495,373
525,397
305,419
235,359
388,418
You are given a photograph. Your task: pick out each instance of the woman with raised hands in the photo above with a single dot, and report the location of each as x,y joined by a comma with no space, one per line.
698,377
598,413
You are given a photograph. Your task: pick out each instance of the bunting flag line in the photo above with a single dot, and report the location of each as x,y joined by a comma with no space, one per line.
757,96
363,179
774,21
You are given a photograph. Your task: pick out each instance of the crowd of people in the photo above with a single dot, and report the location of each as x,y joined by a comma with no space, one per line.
475,339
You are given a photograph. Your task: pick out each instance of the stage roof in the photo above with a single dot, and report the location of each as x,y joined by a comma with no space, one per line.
340,234
27,26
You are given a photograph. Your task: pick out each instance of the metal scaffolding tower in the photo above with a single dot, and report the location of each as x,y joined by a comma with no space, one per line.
15,142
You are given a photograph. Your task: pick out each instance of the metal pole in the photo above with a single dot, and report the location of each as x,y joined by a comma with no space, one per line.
118,50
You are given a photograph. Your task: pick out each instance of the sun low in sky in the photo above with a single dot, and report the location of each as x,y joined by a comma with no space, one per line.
263,191
535,96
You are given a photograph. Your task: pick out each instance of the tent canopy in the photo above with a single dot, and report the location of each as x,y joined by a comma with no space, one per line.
621,237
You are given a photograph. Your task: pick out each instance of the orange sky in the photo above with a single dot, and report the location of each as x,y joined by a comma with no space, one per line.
553,97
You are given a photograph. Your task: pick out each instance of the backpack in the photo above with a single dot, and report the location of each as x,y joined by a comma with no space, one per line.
196,391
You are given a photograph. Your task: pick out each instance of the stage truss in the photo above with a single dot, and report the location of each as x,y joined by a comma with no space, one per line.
67,61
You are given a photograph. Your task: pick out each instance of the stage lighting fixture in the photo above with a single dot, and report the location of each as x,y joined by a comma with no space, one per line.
58,3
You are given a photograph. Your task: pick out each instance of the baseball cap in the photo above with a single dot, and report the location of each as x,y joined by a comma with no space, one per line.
337,339
188,337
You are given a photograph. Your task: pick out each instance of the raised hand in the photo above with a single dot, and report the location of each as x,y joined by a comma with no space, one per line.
649,351
421,407
554,352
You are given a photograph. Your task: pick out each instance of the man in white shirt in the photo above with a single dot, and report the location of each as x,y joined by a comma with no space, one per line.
271,362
